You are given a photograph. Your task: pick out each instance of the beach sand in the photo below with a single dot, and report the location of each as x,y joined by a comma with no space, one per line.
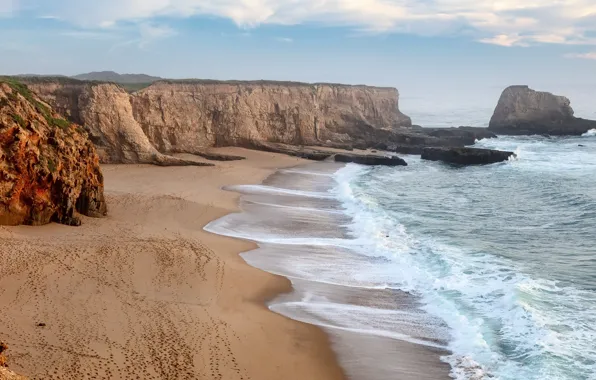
147,294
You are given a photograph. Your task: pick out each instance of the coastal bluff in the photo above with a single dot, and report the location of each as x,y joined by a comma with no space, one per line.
523,111
184,116
48,166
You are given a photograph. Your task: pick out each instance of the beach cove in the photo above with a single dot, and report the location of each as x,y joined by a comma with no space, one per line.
146,293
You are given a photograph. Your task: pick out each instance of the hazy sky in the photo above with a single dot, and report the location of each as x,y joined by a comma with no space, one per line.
455,51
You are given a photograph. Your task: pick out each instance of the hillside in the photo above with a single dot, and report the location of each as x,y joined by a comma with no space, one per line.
111,76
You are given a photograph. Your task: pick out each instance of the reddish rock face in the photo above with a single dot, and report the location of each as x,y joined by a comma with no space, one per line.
48,166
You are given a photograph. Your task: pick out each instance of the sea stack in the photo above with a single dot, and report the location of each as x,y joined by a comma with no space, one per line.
523,111
48,166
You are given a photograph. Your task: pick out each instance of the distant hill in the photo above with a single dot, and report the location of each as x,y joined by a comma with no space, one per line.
110,76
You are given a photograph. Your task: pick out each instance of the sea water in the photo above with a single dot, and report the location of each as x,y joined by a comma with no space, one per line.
492,269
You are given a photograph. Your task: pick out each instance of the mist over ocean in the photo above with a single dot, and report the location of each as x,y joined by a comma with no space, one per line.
491,269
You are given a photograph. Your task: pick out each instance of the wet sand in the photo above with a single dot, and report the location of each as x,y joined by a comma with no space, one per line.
147,294
304,234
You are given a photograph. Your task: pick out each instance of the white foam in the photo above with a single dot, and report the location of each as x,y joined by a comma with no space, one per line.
262,189
393,324
590,133
481,297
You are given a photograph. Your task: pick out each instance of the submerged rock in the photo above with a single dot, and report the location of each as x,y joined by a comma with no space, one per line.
523,111
48,166
371,159
466,156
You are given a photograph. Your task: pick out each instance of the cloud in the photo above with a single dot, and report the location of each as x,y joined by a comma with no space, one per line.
284,39
590,55
504,40
504,22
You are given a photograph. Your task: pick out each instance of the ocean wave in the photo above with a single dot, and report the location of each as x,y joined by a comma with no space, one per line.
262,189
590,133
395,324
501,320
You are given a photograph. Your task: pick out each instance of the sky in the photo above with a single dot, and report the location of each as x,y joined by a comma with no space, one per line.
448,53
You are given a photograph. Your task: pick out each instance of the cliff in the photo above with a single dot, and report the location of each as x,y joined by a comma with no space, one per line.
185,116
48,166
106,111
523,111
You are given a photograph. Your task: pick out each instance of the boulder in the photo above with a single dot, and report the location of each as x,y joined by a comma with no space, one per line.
371,159
48,166
465,156
523,111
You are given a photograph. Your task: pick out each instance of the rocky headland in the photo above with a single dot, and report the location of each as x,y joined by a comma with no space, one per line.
523,111
190,116
49,167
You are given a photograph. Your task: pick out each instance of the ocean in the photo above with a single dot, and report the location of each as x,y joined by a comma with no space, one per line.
432,271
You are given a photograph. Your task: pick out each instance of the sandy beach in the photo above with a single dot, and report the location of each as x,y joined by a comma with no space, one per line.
147,294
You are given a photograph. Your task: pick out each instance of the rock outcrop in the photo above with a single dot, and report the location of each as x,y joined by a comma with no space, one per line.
461,135
371,159
48,166
466,156
5,373
523,111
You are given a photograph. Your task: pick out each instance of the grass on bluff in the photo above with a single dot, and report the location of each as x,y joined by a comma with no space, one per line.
24,91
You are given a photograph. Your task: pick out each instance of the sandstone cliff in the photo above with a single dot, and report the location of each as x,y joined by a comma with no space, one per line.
48,166
189,114
523,111
185,116
106,112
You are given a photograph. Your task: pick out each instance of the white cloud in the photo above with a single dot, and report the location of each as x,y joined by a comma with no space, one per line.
504,40
590,55
284,39
504,22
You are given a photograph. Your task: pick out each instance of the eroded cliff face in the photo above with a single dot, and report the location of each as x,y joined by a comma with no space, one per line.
186,116
48,166
183,116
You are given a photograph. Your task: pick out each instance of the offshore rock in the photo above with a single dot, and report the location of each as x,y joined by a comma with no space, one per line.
371,159
48,166
466,156
523,111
